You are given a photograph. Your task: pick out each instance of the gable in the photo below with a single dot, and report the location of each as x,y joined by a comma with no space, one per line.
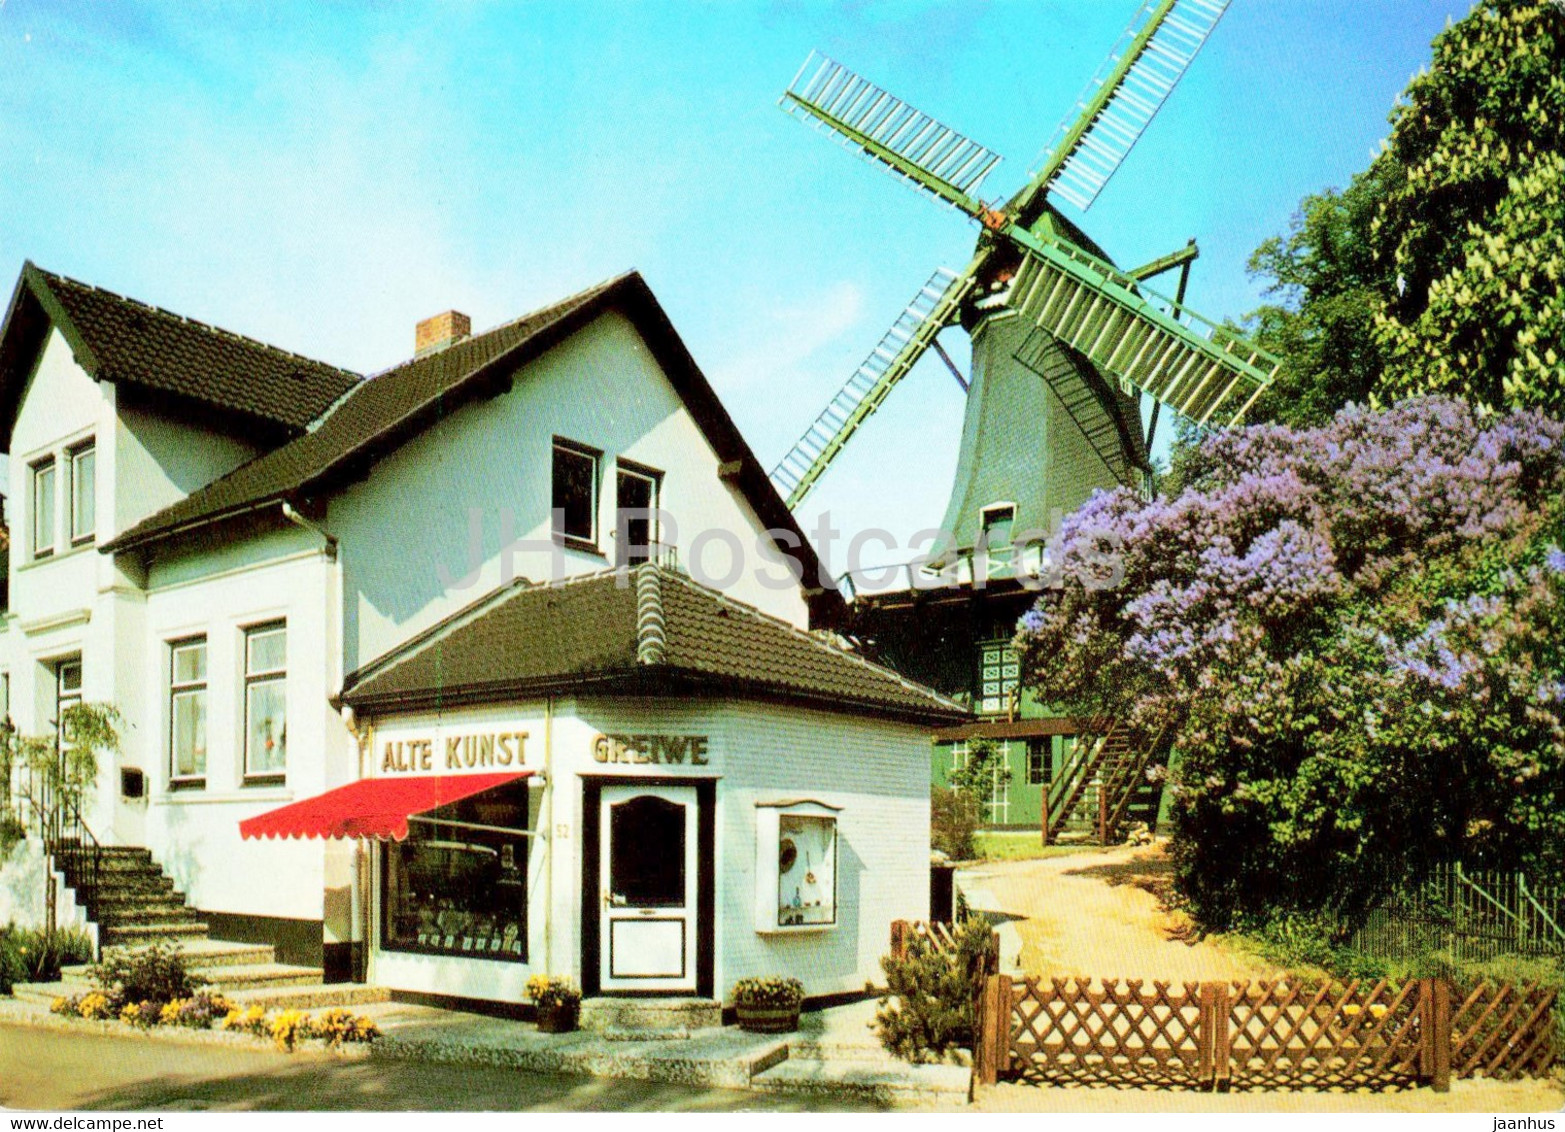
246,387
391,409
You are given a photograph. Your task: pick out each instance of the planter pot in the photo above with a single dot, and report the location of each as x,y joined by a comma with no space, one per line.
559,1020
768,1019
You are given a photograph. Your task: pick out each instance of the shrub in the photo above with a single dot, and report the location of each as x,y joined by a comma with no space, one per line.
1351,635
153,974
953,819
770,993
935,991
553,992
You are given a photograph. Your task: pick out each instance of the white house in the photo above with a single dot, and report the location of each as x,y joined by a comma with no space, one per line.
397,614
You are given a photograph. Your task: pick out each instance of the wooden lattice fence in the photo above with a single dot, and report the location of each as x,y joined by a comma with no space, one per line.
1355,1034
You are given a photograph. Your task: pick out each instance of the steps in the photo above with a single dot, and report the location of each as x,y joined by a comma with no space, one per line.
641,1019
1108,787
135,904
130,898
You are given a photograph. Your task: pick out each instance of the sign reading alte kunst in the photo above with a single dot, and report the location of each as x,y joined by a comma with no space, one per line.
455,753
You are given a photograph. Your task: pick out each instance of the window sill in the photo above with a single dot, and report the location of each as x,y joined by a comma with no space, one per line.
56,556
580,545
80,542
253,780
796,929
248,796
177,784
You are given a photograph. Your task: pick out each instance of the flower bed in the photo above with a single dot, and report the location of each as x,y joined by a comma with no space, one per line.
285,1028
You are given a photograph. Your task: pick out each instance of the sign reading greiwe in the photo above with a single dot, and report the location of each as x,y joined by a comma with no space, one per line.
476,751
663,750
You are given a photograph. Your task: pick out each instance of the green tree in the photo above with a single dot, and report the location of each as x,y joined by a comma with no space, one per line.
1441,268
1326,285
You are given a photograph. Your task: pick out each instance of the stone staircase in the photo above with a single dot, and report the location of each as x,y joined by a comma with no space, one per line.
134,904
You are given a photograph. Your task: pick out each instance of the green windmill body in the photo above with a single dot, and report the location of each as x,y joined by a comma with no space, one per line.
1038,437
1065,345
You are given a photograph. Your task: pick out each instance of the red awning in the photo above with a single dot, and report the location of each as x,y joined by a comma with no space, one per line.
376,808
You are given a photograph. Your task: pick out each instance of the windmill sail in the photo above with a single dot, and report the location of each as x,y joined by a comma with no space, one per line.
1129,89
1189,363
929,155
932,309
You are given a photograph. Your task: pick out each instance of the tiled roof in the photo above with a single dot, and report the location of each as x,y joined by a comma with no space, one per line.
381,410
385,410
581,635
122,340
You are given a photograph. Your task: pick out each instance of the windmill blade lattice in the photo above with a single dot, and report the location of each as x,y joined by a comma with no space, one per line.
1189,363
934,307
1162,39
931,156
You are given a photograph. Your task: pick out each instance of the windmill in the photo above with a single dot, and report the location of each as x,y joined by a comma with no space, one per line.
1064,342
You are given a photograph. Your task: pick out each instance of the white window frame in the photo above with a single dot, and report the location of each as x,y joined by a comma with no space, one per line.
177,690
44,470
87,450
557,514
654,481
65,698
257,678
771,910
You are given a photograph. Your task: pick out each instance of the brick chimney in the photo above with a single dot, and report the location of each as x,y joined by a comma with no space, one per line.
442,330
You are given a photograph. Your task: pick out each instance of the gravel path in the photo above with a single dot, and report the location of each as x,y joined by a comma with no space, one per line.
1094,914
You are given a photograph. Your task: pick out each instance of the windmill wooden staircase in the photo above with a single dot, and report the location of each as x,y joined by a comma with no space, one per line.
1103,786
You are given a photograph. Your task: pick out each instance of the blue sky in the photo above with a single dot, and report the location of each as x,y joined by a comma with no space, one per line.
321,177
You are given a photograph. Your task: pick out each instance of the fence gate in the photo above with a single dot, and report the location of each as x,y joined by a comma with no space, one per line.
1264,1033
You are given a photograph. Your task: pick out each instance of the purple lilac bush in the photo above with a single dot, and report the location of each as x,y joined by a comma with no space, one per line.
1353,634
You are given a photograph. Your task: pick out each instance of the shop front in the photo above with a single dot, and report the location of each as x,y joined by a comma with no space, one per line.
644,826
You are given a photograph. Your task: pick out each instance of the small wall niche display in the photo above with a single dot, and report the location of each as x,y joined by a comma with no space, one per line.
796,865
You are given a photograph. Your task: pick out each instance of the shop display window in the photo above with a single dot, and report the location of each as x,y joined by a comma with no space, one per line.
796,870
458,884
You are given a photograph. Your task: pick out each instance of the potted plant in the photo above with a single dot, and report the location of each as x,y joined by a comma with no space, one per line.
557,1002
768,1005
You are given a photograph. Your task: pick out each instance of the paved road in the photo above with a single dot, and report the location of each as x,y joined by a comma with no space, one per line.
42,1069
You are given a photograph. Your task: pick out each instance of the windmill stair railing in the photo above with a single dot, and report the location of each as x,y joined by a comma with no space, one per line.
1097,789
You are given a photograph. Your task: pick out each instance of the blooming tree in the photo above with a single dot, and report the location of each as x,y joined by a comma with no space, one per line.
1355,634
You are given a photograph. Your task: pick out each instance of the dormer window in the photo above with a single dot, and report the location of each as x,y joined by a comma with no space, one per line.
84,469
44,475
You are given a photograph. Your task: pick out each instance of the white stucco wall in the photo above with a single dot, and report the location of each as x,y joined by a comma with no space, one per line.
194,833
411,518
160,460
